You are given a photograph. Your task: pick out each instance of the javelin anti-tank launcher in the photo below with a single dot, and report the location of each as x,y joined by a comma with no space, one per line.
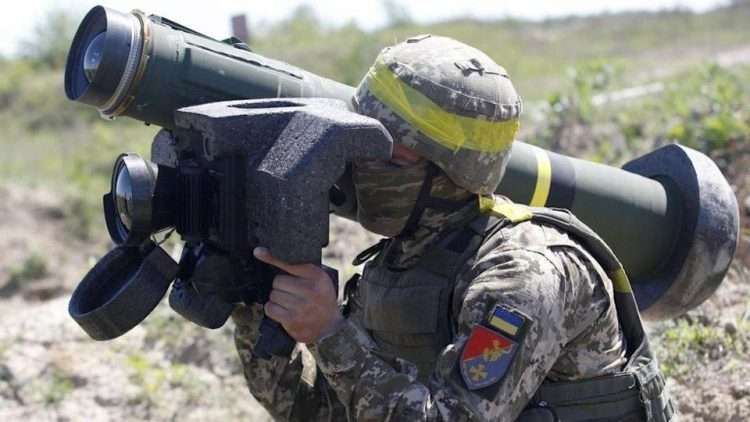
230,175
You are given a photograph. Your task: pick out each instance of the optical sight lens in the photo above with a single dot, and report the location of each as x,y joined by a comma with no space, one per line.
124,197
93,56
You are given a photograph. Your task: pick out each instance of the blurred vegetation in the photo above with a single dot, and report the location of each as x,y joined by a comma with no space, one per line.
47,45
33,268
58,387
562,67
688,343
703,108
150,377
50,141
537,54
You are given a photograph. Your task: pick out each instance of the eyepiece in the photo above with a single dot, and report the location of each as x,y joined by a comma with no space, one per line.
140,201
123,194
128,208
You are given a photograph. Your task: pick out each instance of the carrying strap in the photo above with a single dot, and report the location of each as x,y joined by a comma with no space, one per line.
371,251
627,308
514,213
636,394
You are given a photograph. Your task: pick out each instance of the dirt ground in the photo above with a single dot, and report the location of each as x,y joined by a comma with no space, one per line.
712,382
167,369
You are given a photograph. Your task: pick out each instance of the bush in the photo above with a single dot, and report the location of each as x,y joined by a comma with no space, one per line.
47,45
704,109
34,267
690,343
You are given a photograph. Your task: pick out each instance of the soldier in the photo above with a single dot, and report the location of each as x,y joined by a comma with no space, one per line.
473,308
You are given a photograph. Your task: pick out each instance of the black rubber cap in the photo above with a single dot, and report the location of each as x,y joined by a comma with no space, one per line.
121,290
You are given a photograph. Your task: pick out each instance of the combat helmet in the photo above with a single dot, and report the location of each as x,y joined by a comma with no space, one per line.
449,102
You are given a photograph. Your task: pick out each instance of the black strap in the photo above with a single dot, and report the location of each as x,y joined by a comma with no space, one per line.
371,251
638,393
350,286
608,398
424,194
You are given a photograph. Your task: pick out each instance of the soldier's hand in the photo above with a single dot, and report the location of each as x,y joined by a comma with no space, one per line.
303,300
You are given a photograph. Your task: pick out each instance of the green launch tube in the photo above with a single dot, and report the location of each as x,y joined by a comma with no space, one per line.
642,214
670,216
146,67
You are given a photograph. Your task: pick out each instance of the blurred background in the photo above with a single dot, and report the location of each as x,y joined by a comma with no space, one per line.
606,81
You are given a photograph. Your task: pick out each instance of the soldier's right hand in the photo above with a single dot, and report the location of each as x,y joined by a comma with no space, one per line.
303,300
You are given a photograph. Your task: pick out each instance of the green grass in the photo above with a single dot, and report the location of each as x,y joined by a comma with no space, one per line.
48,141
33,267
60,385
146,375
702,108
686,344
535,53
154,379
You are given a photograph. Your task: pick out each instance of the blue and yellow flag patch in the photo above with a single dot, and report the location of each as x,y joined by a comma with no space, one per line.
507,321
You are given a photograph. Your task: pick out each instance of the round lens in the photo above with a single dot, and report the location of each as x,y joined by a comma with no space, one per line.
123,197
93,56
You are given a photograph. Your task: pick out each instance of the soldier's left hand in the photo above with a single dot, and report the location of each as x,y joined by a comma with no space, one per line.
303,300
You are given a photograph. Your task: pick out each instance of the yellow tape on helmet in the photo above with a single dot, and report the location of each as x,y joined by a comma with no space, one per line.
450,130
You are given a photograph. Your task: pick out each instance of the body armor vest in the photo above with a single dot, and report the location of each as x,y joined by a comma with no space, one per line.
409,314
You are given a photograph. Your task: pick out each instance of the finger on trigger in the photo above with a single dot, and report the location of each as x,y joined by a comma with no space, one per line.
300,270
264,255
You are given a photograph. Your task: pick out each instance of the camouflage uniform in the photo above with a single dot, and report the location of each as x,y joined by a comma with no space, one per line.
400,354
534,269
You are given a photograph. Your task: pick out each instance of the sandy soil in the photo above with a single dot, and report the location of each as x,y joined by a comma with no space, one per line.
168,369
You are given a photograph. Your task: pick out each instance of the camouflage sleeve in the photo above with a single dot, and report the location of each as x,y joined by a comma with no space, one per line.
525,283
289,388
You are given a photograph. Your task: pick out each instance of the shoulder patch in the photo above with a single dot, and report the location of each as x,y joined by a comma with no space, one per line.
486,357
508,321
